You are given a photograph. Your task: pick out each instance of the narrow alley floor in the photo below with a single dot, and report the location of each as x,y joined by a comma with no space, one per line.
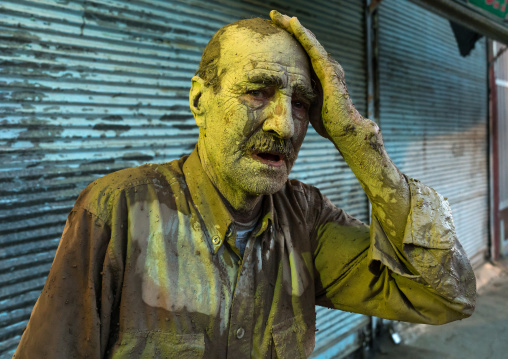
482,336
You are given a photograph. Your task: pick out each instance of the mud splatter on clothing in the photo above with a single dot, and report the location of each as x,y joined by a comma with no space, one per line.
148,268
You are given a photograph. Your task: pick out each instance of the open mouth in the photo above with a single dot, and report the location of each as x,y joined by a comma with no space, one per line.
270,158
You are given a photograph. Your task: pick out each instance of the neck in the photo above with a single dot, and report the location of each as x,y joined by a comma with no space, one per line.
244,213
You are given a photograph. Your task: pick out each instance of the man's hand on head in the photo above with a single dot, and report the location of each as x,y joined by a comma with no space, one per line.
337,113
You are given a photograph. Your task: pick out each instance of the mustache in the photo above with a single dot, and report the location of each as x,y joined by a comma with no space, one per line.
262,142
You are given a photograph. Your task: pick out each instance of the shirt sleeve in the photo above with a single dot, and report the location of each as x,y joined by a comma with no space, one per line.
424,277
72,317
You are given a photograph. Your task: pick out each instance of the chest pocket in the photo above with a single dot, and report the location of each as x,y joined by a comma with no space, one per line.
294,337
159,345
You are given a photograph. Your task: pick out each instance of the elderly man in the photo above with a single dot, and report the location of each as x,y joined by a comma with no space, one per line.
218,255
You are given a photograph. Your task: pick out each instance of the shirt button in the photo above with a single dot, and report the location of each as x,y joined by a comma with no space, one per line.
215,240
229,232
239,333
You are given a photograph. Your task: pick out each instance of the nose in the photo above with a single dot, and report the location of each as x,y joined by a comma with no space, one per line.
280,118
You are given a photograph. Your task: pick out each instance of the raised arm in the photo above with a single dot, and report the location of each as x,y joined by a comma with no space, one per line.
358,139
409,265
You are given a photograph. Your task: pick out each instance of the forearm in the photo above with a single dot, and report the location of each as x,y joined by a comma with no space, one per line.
359,269
360,142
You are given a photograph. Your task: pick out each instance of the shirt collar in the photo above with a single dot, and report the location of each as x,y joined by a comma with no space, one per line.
213,211
266,216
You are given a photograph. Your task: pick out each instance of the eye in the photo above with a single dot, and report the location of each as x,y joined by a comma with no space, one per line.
298,104
255,93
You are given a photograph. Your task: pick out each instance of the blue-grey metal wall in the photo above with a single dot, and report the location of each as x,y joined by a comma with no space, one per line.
90,87
433,113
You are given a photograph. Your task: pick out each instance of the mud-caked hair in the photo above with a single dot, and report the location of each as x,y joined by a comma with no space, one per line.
208,66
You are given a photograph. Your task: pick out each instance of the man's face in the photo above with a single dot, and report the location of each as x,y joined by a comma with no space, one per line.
257,121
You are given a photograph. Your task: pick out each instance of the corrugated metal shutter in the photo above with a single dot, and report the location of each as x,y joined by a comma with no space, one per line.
91,87
433,113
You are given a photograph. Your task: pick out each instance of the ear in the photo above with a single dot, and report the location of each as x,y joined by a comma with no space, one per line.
197,102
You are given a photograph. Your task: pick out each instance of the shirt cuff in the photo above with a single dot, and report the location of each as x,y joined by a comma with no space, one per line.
429,225
430,222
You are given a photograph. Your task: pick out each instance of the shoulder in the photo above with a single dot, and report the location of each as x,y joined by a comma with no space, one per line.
147,181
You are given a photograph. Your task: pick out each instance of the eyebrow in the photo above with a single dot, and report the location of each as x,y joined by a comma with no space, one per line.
305,91
273,80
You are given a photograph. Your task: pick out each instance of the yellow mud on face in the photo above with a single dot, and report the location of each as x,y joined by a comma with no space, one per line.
256,96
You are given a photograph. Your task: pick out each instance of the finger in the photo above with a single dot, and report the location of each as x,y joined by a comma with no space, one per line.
281,20
322,62
309,42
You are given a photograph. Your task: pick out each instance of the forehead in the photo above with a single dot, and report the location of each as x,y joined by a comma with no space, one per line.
248,52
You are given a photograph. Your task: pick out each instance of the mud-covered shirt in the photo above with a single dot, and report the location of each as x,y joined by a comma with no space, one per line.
147,267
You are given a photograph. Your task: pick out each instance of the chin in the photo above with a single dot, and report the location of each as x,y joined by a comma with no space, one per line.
270,185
